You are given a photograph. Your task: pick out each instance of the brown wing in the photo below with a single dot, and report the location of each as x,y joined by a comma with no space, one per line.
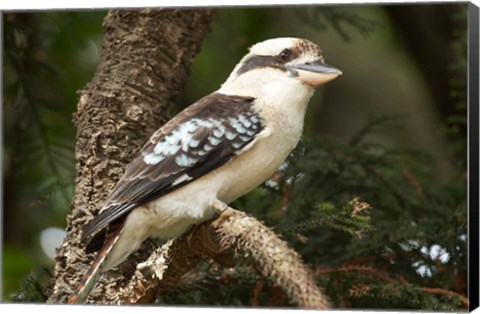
198,140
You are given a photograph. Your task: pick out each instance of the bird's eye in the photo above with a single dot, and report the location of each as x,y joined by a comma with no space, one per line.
285,55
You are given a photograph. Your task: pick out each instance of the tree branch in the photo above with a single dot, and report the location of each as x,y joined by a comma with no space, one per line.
248,237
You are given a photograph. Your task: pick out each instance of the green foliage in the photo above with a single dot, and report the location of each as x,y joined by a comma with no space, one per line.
47,58
39,115
353,219
32,286
16,264
410,214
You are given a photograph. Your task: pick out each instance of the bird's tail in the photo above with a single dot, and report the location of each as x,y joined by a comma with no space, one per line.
92,276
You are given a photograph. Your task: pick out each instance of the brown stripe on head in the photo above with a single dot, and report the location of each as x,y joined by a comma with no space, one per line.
256,62
306,46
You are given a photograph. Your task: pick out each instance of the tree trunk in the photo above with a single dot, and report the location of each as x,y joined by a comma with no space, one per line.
145,63
434,26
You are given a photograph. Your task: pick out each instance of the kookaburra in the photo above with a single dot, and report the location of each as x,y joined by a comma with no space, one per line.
210,154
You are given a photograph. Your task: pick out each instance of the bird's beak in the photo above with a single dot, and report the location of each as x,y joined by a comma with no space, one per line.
315,73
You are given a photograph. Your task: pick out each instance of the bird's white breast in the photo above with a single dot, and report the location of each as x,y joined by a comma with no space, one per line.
282,106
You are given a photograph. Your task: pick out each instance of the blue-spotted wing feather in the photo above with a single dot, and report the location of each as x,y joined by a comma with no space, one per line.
198,140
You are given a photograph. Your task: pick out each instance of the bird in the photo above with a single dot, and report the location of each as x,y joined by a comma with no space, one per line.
208,155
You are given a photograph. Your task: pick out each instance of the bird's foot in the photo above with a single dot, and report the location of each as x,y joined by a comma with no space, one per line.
225,212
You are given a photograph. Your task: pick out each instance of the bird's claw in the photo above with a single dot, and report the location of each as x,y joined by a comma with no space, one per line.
225,212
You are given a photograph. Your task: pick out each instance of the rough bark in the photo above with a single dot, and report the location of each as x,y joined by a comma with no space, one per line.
145,63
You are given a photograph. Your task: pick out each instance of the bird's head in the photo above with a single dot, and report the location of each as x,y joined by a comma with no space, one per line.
281,59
